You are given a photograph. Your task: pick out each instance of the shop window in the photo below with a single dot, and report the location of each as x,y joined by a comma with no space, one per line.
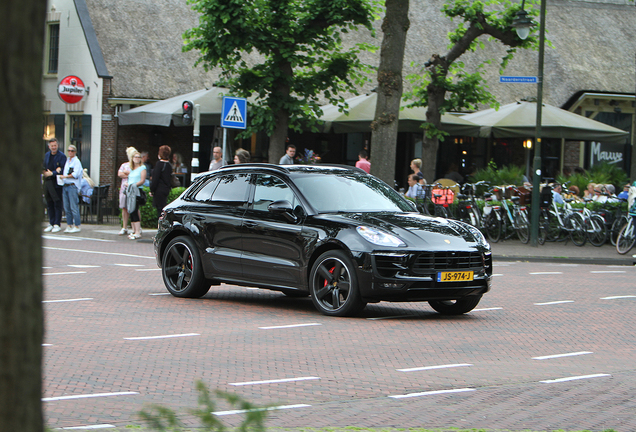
80,136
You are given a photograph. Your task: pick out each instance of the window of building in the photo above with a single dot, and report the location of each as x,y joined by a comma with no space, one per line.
54,47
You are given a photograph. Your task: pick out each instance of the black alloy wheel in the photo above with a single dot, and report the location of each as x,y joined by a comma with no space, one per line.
334,286
181,269
455,307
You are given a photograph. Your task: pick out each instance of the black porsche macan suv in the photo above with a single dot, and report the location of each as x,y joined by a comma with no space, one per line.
333,232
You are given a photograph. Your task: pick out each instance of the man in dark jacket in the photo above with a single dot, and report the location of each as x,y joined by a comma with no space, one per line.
54,161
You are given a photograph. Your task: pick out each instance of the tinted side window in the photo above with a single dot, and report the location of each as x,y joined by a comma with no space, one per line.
231,190
269,189
205,192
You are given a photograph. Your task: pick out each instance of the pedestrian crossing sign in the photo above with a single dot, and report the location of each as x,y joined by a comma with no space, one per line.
234,113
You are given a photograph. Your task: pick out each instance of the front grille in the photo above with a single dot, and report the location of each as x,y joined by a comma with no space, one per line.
428,262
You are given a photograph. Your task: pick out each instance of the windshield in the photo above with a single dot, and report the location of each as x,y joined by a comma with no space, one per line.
329,193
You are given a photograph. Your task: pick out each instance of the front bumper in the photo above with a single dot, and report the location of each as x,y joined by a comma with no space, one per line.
412,276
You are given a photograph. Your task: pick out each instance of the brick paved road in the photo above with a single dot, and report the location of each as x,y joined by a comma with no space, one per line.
345,370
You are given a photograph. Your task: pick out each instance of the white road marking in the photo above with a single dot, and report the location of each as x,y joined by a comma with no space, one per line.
618,297
52,237
83,266
497,274
146,270
434,367
545,273
428,393
290,326
46,268
276,381
101,426
62,273
162,336
51,399
554,302
487,309
159,294
66,300
66,238
608,271
281,407
99,253
47,345
562,355
574,378
129,265
391,317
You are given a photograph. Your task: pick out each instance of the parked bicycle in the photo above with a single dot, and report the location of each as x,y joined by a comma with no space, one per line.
594,226
468,209
559,224
508,219
627,236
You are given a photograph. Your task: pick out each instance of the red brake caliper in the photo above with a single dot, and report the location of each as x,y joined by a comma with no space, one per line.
330,271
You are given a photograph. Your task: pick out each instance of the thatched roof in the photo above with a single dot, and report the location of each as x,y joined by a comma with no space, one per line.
594,48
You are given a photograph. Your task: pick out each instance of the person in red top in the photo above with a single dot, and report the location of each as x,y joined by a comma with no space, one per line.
363,161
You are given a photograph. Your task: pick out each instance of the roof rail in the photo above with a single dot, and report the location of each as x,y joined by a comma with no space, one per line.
255,165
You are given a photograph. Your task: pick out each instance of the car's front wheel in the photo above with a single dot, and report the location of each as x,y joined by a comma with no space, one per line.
182,270
455,307
334,286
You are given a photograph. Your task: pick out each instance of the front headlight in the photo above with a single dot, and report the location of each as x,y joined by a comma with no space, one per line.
378,237
479,237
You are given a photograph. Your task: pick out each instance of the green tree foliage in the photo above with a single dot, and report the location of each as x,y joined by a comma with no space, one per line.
149,214
445,85
298,44
164,419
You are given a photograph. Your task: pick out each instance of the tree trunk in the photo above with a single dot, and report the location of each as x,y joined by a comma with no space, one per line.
385,126
21,318
278,138
279,135
430,146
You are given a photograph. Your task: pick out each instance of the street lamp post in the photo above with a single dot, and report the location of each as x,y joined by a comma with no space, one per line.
522,25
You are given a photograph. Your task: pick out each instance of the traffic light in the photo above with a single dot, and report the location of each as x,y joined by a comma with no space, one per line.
186,118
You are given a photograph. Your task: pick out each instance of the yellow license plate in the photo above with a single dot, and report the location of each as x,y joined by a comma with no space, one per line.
454,276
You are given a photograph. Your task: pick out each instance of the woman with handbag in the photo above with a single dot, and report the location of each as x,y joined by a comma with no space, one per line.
161,179
136,179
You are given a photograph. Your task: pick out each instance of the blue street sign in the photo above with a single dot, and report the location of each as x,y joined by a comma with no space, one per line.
234,113
518,79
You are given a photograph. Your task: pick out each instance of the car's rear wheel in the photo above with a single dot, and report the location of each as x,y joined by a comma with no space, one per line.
334,286
182,270
455,307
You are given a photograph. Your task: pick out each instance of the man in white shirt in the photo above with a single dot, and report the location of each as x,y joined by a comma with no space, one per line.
217,159
288,158
71,175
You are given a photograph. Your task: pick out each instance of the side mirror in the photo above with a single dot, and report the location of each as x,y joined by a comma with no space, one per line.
283,207
412,204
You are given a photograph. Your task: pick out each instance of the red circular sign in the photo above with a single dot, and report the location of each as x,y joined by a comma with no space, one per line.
71,89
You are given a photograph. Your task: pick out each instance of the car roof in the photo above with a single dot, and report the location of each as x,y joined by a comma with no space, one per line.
288,169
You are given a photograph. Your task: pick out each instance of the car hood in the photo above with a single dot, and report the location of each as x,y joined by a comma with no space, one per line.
415,228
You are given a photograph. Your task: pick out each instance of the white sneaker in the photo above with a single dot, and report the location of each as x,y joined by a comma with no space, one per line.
56,228
75,229
68,229
48,228
123,231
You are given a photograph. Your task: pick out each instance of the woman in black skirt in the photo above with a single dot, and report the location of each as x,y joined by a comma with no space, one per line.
160,184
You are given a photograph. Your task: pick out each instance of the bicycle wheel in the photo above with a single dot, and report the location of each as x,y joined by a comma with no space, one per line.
523,227
596,230
492,224
617,226
626,238
575,224
543,227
